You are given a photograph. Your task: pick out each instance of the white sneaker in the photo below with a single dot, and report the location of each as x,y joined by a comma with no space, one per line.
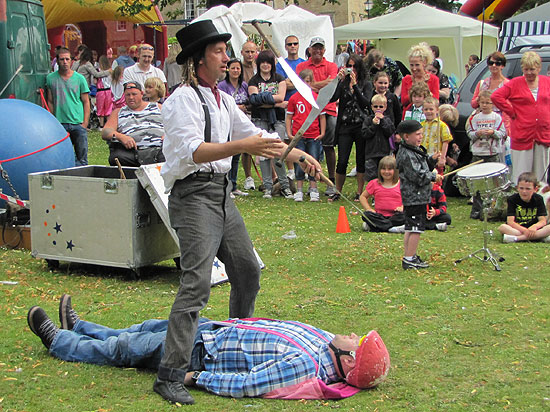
397,229
509,239
287,193
366,227
442,227
249,183
353,172
546,239
299,197
231,195
314,196
267,194
290,174
331,190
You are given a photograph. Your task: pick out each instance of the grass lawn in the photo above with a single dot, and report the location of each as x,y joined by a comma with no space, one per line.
461,337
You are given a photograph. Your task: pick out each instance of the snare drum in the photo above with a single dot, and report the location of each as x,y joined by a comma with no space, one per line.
483,178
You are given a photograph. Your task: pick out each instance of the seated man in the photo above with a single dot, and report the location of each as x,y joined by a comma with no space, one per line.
135,132
234,358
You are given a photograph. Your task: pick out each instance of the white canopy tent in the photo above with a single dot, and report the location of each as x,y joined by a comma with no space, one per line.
291,20
531,27
457,36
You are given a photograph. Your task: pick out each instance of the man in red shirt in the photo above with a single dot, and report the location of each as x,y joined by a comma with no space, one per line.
323,73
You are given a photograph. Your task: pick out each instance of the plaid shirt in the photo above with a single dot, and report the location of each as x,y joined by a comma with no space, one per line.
242,362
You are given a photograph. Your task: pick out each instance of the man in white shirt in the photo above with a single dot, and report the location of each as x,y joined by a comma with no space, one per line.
143,69
204,129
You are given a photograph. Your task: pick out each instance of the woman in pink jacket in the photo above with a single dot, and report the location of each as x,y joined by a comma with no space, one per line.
526,99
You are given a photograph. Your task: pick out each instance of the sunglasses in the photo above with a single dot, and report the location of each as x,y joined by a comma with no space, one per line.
493,63
292,44
350,65
146,48
377,106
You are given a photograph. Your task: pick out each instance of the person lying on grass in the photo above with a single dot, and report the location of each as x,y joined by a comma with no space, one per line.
236,358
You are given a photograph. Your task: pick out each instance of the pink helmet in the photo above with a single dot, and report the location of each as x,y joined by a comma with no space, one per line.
372,362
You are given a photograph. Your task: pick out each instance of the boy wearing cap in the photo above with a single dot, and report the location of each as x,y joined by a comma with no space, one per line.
415,175
204,129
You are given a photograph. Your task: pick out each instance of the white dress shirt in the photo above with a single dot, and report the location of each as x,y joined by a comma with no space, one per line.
184,123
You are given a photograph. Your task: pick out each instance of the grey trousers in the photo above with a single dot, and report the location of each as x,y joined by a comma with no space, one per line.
207,224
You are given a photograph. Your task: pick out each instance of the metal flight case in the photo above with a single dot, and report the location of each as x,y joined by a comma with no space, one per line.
91,215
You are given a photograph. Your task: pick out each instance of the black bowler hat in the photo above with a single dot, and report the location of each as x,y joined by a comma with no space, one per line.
408,126
196,36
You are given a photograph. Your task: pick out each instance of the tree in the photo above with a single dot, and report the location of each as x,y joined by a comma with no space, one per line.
133,7
530,4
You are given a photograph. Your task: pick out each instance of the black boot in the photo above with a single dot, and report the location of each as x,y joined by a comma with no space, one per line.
173,391
42,325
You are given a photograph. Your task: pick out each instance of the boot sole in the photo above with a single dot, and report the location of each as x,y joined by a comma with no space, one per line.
65,300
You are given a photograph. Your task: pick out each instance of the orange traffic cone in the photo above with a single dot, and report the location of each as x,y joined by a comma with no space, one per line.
343,225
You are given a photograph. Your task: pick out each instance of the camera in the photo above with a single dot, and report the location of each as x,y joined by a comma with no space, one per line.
349,70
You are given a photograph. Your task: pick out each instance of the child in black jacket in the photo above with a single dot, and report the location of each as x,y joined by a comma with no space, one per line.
377,130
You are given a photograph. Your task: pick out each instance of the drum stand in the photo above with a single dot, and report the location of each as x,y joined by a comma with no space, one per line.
485,254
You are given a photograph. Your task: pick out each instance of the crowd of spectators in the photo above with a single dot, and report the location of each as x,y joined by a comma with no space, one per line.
374,94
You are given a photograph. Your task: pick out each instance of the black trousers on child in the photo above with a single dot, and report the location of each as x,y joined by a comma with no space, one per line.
381,223
442,218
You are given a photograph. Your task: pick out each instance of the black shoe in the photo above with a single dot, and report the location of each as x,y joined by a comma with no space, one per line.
173,391
475,215
67,315
42,325
334,197
415,263
408,264
420,263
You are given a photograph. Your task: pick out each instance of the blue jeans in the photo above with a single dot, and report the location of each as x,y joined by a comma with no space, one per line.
312,147
79,138
140,345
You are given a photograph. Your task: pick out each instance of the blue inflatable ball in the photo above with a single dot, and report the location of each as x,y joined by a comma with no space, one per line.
26,128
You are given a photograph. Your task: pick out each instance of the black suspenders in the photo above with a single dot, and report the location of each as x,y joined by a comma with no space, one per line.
207,119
